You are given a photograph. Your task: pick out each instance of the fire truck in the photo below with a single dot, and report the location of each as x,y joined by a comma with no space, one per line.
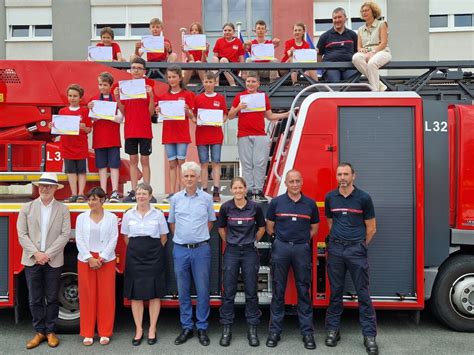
413,155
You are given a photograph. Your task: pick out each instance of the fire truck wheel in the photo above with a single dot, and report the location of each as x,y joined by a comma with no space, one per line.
453,293
68,321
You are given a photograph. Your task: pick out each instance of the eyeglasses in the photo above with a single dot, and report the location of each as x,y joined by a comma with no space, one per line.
137,68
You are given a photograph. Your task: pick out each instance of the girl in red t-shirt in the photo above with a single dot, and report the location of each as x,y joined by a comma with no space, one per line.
195,56
228,49
175,134
298,42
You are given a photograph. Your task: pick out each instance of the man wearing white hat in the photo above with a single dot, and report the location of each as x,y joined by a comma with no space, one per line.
44,227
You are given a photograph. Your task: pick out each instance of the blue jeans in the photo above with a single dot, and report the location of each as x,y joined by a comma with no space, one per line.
176,151
193,264
335,76
203,152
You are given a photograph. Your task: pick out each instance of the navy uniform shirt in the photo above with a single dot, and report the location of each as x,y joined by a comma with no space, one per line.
336,47
241,223
292,219
348,214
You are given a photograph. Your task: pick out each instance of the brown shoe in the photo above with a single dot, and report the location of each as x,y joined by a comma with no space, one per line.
36,340
53,340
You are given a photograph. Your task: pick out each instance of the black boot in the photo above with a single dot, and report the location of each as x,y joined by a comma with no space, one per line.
371,345
252,336
226,336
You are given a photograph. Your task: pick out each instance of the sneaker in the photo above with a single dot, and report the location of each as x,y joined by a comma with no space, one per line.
215,194
114,197
81,199
260,197
250,195
167,198
153,199
71,199
130,198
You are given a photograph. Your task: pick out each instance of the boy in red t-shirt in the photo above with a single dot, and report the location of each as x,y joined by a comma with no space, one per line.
156,29
74,149
195,56
137,128
106,139
107,40
252,140
209,138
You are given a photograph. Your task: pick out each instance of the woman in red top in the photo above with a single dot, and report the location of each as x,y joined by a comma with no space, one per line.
176,135
107,40
228,49
298,42
195,56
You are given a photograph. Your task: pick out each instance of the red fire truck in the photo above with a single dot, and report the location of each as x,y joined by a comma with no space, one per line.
413,156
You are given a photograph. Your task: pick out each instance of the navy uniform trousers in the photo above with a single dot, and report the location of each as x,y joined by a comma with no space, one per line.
352,257
298,256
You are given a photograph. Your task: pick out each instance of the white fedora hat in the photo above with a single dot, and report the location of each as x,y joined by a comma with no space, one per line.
48,179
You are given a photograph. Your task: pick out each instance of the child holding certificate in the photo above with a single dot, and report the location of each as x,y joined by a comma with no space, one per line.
176,135
74,149
107,40
252,107
106,139
209,136
156,29
195,56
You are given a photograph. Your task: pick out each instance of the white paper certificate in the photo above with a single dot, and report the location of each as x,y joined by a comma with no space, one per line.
132,89
99,54
194,42
65,125
153,44
103,110
263,51
171,110
255,102
305,56
207,117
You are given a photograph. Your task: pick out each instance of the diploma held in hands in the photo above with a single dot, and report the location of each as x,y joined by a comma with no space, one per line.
255,102
208,117
305,56
153,44
99,54
171,110
103,110
65,125
263,51
132,89
194,42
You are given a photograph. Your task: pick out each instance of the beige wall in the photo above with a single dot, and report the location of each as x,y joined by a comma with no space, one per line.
452,46
29,50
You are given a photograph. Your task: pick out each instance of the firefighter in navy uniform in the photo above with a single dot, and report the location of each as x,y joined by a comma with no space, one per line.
292,219
351,219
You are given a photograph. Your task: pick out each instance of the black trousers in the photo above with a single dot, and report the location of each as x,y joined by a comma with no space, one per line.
43,287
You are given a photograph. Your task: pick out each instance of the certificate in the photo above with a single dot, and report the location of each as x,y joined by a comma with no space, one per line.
255,102
171,110
210,117
132,89
103,110
263,51
153,44
305,56
99,54
65,125
194,42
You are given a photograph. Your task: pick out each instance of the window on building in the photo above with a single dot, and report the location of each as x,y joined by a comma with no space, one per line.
356,23
139,29
322,25
31,31
119,29
464,20
19,31
437,21
43,31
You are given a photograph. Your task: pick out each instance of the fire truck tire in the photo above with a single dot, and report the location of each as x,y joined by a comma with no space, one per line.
452,299
68,321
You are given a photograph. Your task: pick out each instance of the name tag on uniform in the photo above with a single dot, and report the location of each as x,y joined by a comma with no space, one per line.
293,219
239,222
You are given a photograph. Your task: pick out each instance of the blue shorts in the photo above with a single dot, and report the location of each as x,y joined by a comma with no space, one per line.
107,158
176,151
203,152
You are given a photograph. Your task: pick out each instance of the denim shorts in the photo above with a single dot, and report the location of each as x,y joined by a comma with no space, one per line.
203,152
176,151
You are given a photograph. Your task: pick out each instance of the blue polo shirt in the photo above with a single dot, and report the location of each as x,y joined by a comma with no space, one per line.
191,214
241,223
337,47
348,214
292,219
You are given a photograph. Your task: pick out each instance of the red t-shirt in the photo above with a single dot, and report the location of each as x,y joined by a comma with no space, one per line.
177,131
75,147
231,50
137,117
207,134
197,55
159,57
251,123
105,133
115,49
254,41
291,43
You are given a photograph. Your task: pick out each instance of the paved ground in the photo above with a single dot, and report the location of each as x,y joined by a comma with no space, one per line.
398,334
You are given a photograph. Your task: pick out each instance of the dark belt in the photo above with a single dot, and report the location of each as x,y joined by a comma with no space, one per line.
194,245
345,242
291,243
241,246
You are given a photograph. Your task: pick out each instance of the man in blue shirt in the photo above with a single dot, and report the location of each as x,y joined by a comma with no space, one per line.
292,219
351,219
191,217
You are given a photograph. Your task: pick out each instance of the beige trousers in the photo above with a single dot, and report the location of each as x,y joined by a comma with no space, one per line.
371,69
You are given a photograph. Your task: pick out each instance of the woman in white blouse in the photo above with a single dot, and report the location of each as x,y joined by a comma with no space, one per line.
145,231
96,239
